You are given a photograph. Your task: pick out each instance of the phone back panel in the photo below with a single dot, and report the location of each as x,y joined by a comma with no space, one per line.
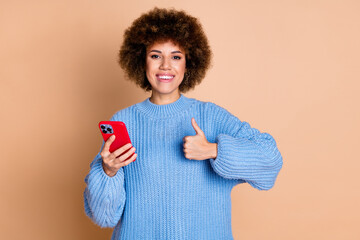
109,128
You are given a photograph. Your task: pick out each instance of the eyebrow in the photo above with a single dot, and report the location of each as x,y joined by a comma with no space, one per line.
160,51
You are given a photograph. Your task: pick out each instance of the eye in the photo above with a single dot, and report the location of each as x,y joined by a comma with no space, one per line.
155,56
177,57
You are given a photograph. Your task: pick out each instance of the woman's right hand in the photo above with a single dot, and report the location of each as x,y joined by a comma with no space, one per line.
112,162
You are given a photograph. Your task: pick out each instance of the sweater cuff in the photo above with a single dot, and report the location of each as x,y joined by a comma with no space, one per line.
235,157
98,171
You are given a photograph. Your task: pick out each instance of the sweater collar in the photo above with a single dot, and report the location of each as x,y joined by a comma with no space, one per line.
166,110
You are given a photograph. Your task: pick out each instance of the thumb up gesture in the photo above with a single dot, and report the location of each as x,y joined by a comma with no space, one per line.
197,147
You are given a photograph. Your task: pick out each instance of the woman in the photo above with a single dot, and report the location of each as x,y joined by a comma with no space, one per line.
189,154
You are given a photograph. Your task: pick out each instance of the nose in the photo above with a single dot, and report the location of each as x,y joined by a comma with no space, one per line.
165,64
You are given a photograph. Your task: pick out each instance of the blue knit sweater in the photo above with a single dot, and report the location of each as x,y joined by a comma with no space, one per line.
163,195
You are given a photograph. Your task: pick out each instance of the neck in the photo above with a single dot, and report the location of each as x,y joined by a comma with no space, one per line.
162,99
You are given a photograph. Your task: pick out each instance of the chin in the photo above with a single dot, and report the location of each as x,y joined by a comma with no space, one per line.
166,91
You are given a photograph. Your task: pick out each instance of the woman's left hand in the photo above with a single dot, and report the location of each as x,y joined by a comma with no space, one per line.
197,147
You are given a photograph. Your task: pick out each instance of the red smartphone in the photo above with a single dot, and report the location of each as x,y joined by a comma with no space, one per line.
117,128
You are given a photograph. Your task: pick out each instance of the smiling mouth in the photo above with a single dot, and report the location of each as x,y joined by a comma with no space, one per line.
164,78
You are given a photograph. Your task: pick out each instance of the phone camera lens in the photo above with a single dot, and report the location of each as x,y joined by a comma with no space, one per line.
104,131
102,127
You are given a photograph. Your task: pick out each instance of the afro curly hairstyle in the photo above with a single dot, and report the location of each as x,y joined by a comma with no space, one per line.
159,25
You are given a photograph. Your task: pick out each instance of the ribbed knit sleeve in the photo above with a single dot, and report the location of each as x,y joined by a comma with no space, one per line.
246,154
104,196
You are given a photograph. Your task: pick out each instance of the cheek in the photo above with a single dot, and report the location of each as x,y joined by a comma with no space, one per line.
184,67
181,68
149,68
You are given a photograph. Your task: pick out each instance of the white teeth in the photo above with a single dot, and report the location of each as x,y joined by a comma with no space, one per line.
166,77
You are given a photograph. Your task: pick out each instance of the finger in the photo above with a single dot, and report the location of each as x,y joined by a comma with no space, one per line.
196,127
127,154
127,162
108,143
188,156
186,139
122,149
186,150
105,152
130,160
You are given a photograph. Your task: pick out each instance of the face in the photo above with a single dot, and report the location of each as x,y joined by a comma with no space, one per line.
165,67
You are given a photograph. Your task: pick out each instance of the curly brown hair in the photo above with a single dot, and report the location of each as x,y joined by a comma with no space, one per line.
159,25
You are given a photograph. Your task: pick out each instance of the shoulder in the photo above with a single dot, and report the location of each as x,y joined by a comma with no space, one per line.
220,117
213,109
123,114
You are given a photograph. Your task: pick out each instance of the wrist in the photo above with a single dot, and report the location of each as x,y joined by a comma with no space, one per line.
213,150
107,171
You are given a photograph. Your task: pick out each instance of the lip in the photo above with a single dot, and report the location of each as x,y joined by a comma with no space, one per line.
165,80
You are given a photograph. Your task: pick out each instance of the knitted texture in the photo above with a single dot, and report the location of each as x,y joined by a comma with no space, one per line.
163,195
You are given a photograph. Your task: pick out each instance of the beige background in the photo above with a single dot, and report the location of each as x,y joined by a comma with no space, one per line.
289,68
